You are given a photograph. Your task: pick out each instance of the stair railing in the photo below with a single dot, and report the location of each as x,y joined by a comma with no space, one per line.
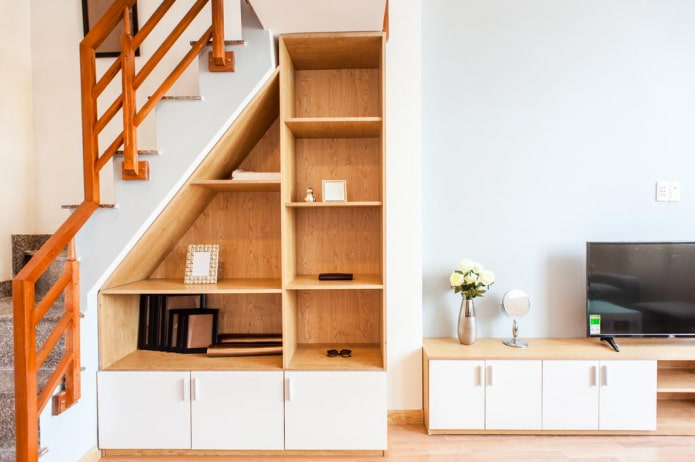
28,358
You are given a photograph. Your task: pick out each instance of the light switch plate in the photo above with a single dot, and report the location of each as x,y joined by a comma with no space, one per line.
662,191
674,193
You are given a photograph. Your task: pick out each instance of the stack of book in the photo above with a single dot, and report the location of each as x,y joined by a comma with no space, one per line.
246,345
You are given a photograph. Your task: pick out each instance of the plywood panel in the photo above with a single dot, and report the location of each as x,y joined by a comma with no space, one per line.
335,127
248,314
247,228
287,141
289,326
118,327
334,51
355,160
177,286
265,156
142,360
312,356
337,93
338,240
329,316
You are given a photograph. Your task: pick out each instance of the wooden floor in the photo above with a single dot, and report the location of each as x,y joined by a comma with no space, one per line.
410,443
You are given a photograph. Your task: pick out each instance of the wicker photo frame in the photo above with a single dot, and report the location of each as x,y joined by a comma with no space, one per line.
201,264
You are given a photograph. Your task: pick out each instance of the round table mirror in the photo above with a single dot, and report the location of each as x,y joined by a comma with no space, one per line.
515,304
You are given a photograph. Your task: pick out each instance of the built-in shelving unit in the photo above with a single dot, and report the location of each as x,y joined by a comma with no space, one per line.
320,117
332,129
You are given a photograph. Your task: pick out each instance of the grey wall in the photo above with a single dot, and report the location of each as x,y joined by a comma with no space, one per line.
545,125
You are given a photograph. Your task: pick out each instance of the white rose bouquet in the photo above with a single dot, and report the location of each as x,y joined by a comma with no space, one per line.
471,279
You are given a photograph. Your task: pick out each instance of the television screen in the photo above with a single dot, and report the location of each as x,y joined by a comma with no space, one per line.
640,289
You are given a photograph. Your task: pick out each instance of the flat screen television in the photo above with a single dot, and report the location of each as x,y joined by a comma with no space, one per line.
640,289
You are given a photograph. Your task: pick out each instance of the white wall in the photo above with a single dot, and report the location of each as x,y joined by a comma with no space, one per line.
545,125
55,36
56,33
16,130
403,212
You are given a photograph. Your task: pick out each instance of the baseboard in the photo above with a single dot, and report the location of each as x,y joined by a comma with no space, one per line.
93,455
407,417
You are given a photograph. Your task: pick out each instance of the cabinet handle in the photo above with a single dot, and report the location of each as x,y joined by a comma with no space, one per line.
185,389
594,369
288,389
481,376
195,390
605,376
489,376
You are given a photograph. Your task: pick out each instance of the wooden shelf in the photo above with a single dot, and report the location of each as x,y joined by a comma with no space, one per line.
239,185
142,360
311,282
335,127
310,205
675,417
176,286
563,349
312,356
355,50
676,381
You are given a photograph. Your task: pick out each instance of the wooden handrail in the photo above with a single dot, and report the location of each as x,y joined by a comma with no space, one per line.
28,405
29,400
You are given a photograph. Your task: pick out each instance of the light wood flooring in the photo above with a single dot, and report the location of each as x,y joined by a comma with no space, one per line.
410,443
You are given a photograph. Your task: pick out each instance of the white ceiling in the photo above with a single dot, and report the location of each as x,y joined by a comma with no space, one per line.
291,16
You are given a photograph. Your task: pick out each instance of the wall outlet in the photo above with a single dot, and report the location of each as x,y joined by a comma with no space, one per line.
674,191
662,191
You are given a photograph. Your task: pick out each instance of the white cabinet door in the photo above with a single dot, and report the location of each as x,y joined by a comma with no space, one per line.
570,395
335,410
513,395
456,394
237,410
144,410
628,395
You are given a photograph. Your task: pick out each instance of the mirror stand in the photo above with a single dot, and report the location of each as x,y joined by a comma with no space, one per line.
514,341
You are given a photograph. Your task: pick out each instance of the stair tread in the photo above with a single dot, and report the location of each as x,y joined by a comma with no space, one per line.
142,152
227,43
182,98
101,206
7,379
53,315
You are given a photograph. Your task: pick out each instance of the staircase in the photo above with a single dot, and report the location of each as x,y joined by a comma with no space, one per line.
23,248
186,131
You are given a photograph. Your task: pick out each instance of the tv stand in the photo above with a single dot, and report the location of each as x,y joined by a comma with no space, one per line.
611,342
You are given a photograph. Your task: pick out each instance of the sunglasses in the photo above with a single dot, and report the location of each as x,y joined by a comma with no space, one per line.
343,353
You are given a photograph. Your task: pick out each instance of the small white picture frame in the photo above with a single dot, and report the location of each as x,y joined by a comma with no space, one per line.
201,264
334,191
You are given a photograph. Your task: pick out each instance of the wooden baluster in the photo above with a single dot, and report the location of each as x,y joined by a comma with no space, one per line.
90,139
25,380
219,60
72,393
132,168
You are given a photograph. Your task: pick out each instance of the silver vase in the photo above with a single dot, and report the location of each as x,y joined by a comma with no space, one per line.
466,325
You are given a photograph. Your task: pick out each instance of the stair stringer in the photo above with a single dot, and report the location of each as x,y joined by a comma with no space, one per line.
186,132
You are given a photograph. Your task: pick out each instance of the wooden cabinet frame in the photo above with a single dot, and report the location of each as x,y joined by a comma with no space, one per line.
674,394
319,117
